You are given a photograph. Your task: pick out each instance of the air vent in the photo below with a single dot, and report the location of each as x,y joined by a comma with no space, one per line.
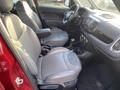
117,46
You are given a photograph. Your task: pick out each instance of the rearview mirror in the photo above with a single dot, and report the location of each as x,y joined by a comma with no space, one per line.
67,3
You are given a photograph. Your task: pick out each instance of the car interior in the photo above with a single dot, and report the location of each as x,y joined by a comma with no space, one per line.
68,47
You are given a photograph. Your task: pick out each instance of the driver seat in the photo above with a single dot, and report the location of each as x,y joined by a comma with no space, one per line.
57,38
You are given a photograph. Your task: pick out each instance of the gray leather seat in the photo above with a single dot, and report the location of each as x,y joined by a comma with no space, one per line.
58,37
60,66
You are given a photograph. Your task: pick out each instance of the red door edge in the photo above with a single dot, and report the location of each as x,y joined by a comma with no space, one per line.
1,86
12,76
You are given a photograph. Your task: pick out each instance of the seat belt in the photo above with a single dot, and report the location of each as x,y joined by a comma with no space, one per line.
39,14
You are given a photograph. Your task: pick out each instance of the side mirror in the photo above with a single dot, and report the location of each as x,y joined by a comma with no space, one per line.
67,3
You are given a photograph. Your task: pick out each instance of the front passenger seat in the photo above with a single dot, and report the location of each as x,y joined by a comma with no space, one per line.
58,37
59,67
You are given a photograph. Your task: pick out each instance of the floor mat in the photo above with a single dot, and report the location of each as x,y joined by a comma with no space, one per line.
95,77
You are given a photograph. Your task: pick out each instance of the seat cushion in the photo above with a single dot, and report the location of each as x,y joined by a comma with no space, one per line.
59,66
57,38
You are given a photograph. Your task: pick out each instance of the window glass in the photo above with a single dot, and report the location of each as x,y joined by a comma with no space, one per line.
85,3
52,3
15,1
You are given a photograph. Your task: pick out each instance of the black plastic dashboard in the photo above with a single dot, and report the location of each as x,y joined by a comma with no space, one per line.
102,29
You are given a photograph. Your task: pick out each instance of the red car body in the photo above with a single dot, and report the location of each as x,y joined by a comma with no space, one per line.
11,71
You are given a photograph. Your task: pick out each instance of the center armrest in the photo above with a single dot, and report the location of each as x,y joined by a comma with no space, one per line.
44,32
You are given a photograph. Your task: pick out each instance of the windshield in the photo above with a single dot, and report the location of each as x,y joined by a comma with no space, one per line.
106,5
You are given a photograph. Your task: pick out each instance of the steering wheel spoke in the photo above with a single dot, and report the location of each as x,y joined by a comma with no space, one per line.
69,15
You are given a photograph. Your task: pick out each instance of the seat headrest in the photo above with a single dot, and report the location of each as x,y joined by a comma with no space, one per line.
6,5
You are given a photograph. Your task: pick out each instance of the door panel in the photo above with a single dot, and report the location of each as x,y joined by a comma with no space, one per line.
52,13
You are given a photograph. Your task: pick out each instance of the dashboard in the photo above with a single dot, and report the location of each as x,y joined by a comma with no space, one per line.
102,29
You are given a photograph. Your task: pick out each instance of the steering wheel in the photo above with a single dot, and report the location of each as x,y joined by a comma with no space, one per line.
71,14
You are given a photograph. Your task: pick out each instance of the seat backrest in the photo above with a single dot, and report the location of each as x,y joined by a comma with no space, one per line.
27,15
23,37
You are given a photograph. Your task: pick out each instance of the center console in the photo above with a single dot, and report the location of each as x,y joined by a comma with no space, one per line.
90,25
